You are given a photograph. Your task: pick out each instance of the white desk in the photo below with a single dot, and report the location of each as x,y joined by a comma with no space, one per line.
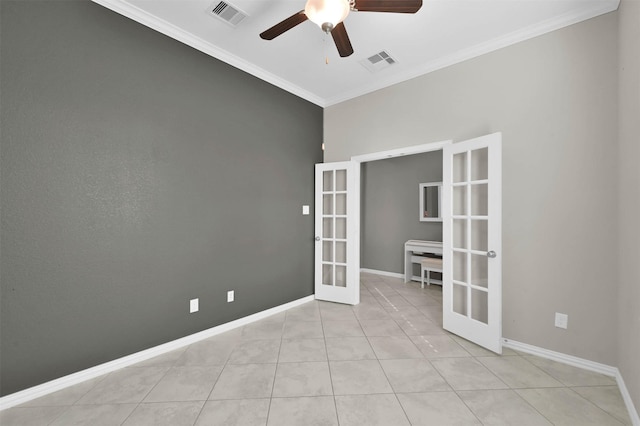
412,249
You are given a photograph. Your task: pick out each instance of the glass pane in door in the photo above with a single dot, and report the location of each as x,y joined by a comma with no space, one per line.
341,180
327,227
479,305
479,270
480,199
460,266
480,235
341,276
341,204
459,200
341,252
460,299
327,274
460,167
327,204
327,181
459,230
480,164
327,251
341,228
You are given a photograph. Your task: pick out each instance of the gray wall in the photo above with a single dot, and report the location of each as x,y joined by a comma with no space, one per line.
138,173
389,208
555,99
629,189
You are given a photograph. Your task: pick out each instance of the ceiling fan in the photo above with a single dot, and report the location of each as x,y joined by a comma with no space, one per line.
329,14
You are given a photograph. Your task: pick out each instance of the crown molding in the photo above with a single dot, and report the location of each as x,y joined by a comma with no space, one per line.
144,18
481,49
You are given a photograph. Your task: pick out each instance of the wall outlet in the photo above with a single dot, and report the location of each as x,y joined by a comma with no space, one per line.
562,320
230,296
194,305
305,210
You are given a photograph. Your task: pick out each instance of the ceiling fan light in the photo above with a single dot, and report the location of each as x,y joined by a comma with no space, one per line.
321,12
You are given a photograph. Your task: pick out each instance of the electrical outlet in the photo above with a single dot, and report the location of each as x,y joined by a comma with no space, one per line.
230,296
562,320
194,305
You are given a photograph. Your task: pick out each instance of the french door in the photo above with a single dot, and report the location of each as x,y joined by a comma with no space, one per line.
472,240
337,236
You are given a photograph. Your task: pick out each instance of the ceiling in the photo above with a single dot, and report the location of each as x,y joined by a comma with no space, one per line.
442,33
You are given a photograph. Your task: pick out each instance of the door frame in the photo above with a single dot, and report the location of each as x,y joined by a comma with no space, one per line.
401,152
392,153
354,234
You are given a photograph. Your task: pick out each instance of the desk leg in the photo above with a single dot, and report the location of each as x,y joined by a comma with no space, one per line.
408,267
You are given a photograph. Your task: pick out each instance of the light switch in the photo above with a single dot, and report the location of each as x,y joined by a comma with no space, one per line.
562,320
305,210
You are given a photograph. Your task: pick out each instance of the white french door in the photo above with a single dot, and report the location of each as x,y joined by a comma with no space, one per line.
472,240
337,245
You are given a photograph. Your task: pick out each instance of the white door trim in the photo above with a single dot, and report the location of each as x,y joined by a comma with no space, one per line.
400,152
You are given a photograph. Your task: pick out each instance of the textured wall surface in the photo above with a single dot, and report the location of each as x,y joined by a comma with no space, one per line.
389,208
554,98
629,193
136,174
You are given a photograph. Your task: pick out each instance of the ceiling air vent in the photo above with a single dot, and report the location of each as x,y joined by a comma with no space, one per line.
226,12
378,61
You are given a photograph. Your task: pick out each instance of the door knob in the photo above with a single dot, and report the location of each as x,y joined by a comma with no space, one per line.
317,238
491,254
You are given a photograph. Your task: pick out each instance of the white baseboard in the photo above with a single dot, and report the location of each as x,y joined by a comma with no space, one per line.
396,275
383,273
633,413
585,364
560,357
43,389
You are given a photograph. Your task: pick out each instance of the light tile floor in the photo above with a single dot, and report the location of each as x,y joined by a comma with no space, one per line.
385,362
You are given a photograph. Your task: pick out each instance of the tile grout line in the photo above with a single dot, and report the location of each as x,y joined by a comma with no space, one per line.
275,373
78,399
595,405
395,394
333,392
215,382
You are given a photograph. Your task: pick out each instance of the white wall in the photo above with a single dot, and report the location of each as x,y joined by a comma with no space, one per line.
629,212
555,100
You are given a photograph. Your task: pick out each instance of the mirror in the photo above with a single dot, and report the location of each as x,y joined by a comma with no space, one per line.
430,202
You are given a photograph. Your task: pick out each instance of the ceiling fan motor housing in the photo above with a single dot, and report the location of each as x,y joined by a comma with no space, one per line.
327,13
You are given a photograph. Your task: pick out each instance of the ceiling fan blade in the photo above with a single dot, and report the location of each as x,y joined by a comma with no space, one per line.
283,26
395,6
340,37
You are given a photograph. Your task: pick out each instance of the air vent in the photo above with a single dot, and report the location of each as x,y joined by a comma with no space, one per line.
226,12
378,61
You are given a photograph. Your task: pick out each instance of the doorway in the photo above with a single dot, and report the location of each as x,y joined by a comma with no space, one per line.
391,214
